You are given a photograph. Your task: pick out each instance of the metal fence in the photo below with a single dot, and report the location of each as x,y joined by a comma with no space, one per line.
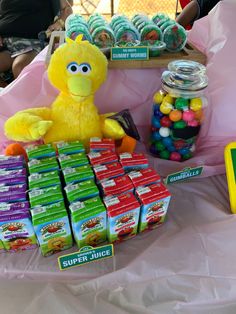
127,7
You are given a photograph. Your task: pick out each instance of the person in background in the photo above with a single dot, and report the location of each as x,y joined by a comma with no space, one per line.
20,23
195,10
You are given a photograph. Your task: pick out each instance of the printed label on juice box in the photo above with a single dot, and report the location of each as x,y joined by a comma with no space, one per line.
16,232
97,144
81,191
72,161
154,205
102,157
134,161
118,185
53,232
43,180
40,151
11,177
2,249
144,177
23,206
108,171
43,165
68,148
45,196
11,162
90,226
79,174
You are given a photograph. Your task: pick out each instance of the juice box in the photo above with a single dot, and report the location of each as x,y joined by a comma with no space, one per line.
5,189
97,144
52,229
11,162
144,177
154,201
134,161
102,157
8,207
11,177
79,174
89,222
45,196
43,165
123,216
16,232
71,161
116,186
68,148
52,208
81,191
103,172
40,151
12,197
43,180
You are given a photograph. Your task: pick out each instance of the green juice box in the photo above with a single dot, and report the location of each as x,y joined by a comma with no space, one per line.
68,148
45,196
75,175
52,229
40,151
43,165
43,180
1,247
81,191
89,222
71,161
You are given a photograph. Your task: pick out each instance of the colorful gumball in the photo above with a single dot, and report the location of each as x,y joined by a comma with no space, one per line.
165,121
193,123
175,156
196,104
169,99
181,104
157,112
184,151
175,115
171,148
167,141
164,132
187,156
159,146
156,122
188,115
180,124
198,115
156,136
179,144
165,154
158,97
165,108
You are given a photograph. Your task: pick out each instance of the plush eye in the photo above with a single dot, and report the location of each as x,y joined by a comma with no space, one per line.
83,68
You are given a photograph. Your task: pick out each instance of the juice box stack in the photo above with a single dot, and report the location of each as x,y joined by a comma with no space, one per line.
101,196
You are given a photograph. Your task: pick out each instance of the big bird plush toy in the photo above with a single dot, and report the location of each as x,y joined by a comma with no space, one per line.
77,69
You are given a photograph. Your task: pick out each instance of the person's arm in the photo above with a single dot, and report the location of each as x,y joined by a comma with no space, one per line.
189,13
66,10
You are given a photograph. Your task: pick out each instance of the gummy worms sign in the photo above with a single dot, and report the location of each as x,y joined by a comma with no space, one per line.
85,255
185,174
130,53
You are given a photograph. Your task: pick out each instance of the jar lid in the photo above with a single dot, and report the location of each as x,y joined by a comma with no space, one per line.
185,75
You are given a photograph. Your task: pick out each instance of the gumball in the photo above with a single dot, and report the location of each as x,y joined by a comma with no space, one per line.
165,108
184,151
169,99
171,148
187,156
159,146
198,115
156,136
165,121
175,156
164,132
156,122
175,115
193,123
179,144
167,141
181,103
164,154
158,97
196,104
180,124
188,115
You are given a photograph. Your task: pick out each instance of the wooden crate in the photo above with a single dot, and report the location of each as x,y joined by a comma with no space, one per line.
188,53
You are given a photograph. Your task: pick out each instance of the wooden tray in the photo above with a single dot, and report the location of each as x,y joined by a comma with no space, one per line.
188,53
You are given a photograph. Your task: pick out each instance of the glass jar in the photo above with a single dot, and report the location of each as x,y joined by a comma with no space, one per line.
178,110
